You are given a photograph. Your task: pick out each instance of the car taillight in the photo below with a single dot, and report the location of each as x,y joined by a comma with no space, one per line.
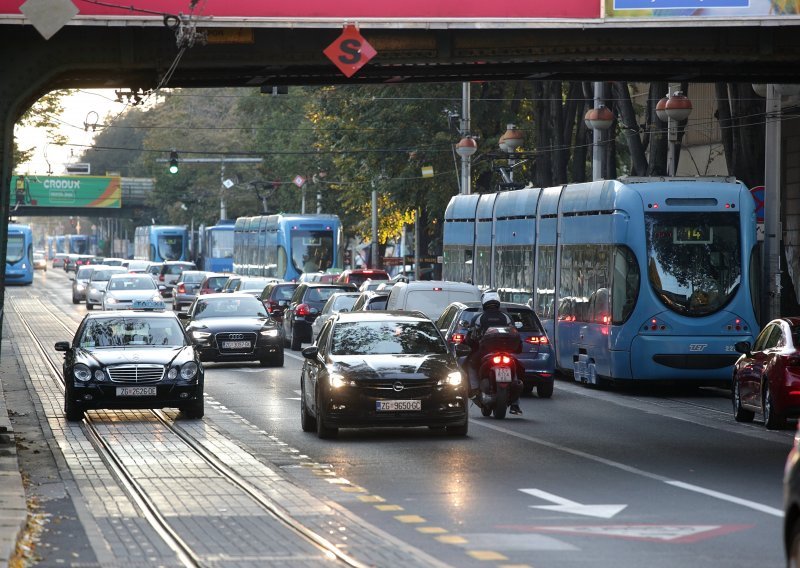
537,340
457,338
302,310
272,305
181,289
501,360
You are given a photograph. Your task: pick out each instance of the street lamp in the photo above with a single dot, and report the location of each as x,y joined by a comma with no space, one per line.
672,110
465,148
599,119
511,139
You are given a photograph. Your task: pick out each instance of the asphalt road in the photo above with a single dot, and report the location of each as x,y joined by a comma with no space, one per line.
625,478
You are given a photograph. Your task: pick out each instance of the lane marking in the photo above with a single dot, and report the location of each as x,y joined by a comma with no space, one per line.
432,530
486,555
389,508
651,533
566,506
371,499
410,519
451,539
634,470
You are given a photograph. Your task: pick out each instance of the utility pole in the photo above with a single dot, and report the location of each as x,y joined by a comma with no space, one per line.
771,301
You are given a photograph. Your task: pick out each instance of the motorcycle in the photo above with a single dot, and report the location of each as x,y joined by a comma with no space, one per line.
498,371
499,386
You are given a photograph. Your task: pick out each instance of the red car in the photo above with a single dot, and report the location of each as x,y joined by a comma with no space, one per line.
766,378
358,275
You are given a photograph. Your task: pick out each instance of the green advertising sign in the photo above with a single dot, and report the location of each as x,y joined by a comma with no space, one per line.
66,191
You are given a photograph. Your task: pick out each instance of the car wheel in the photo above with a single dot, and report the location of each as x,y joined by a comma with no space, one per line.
307,422
295,343
544,390
740,414
194,410
71,410
324,432
772,420
460,430
89,306
76,300
285,337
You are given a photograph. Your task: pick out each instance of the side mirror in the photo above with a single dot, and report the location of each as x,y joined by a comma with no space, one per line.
217,290
742,347
462,350
62,346
183,316
310,352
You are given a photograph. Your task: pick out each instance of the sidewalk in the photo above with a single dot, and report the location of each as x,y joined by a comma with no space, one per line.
13,510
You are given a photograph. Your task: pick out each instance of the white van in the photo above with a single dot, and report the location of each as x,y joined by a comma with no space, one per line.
430,297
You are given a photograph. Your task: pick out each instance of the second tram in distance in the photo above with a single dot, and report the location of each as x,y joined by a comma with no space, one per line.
638,278
158,243
286,246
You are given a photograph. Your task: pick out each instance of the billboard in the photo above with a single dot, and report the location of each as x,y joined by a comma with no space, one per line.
66,191
341,10
699,9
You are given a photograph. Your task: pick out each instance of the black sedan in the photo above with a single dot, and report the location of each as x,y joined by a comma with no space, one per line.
233,327
381,369
134,360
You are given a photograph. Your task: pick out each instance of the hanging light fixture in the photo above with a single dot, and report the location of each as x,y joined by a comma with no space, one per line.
678,107
466,147
661,109
599,118
511,139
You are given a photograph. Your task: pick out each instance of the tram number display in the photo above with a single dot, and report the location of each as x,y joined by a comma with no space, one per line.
693,235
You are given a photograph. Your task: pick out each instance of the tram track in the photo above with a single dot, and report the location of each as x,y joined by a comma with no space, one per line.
138,494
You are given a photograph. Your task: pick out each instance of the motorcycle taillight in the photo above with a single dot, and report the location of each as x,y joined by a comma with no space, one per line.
501,360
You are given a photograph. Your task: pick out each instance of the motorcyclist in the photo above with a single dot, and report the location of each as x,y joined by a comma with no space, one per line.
491,316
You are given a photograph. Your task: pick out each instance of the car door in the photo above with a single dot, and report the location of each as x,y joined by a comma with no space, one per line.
311,368
288,314
753,368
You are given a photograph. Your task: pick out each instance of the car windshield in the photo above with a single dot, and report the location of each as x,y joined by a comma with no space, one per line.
118,284
343,302
131,331
103,275
386,338
253,284
229,307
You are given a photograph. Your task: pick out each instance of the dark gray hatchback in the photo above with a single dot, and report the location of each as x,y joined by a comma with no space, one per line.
304,307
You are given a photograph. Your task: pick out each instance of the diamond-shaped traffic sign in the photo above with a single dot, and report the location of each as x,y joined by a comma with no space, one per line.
299,181
350,51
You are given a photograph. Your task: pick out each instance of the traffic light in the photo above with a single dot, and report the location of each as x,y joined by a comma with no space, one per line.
173,162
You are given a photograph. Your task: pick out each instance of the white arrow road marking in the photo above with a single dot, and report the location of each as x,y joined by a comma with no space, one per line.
566,506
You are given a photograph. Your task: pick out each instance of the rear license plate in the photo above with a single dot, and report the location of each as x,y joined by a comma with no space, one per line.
398,405
235,344
136,391
502,375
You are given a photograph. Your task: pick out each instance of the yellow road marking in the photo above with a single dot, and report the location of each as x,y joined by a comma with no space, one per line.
409,518
354,489
431,530
389,507
486,555
451,539
371,498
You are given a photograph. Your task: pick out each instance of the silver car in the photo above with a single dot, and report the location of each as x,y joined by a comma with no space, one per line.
187,288
339,302
97,283
128,291
81,282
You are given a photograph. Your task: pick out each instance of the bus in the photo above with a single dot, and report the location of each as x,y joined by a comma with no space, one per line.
19,255
633,279
76,244
158,243
215,251
286,246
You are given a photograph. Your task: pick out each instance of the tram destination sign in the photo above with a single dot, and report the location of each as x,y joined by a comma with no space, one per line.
96,192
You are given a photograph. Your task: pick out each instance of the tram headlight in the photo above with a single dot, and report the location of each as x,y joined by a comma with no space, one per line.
81,372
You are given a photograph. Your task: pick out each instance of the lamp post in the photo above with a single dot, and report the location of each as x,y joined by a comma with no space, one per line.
511,139
374,247
599,119
673,110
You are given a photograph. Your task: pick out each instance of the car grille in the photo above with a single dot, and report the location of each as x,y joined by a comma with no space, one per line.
237,336
136,373
415,387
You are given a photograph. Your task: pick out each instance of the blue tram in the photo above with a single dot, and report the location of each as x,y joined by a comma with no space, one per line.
159,243
215,251
19,255
637,278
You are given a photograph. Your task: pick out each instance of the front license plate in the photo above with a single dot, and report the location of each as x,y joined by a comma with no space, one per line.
136,391
235,344
401,405
502,375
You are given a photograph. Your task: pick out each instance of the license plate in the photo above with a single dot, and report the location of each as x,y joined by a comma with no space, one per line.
136,391
502,375
235,344
381,405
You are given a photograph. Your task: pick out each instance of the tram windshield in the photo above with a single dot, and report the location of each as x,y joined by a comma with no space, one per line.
694,260
170,247
15,248
312,251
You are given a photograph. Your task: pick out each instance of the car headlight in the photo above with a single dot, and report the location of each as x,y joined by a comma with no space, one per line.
172,374
338,381
269,332
99,375
189,371
453,379
201,335
156,298
81,372
80,287
111,300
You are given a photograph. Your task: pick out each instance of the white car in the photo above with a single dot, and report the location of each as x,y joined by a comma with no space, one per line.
130,292
97,284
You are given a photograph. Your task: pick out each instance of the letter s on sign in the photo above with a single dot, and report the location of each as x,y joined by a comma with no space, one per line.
351,47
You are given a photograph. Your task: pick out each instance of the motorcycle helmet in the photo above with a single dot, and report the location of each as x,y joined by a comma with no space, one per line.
490,300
